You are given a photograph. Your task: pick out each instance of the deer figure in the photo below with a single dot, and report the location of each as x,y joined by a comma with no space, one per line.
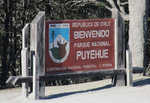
62,49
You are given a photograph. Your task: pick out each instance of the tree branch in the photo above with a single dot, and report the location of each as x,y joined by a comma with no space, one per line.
124,3
111,2
121,8
118,2
107,7
125,16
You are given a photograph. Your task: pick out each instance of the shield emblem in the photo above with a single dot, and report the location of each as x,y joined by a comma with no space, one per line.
59,42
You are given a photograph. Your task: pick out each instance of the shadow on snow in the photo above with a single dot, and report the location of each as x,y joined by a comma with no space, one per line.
76,92
141,82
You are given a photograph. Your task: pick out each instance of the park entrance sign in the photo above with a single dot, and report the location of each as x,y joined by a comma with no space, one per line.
60,50
80,45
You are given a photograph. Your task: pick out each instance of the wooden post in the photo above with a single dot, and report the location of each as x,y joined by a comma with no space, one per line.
36,86
24,58
115,16
119,48
119,40
37,41
129,68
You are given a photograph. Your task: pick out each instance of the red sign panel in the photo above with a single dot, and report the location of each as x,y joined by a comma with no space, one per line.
79,45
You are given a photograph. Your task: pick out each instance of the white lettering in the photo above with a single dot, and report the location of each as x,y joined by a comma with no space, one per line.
91,34
100,43
91,24
105,53
78,54
76,35
82,44
92,54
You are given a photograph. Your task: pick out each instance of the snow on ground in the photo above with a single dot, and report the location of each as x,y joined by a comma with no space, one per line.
92,92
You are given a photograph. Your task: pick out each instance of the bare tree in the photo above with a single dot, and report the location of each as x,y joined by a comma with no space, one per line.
134,11
137,31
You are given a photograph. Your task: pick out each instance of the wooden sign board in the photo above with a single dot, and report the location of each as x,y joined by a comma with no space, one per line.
80,45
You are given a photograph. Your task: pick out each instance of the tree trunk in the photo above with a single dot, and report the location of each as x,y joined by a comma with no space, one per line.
137,14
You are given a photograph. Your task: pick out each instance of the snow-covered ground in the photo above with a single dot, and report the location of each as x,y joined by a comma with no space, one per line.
93,92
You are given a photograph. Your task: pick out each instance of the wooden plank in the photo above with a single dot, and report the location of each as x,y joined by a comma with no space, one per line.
25,71
120,79
129,68
20,79
119,47
36,77
115,16
119,40
37,42
24,57
25,36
